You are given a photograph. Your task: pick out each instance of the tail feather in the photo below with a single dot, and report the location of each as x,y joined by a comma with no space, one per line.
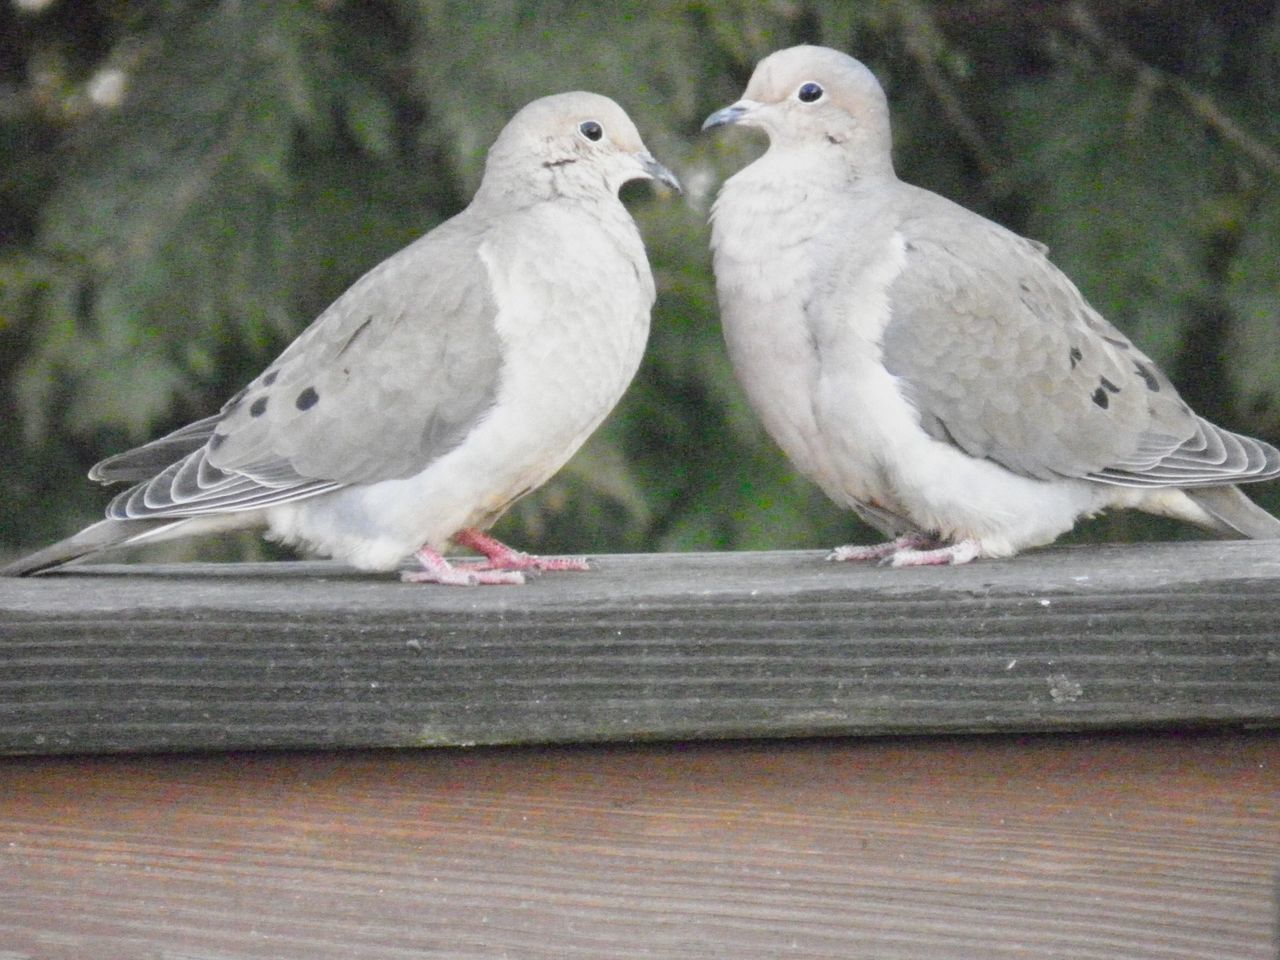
92,539
1235,512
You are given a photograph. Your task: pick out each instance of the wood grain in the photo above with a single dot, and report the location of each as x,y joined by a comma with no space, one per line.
1142,847
643,647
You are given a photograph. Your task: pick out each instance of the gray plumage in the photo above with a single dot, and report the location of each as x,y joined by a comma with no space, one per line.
447,382
927,367
366,356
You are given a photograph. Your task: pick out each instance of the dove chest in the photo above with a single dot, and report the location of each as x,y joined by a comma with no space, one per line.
804,294
573,314
573,318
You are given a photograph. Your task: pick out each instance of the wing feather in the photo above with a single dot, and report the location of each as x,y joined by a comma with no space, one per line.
142,463
1003,357
393,375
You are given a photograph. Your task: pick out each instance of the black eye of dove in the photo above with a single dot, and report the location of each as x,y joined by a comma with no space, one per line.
809,92
591,130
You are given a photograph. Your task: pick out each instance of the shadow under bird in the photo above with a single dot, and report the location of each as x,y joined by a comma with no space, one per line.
928,368
447,382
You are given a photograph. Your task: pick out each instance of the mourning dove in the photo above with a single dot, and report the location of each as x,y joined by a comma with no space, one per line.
449,381
928,368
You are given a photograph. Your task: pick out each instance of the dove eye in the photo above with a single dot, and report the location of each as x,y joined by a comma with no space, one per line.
591,130
809,92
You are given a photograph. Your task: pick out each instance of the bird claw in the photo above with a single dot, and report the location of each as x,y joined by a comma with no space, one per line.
912,542
953,555
913,550
850,553
436,569
499,556
501,564
518,560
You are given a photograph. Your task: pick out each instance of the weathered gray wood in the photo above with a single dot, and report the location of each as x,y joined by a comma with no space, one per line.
117,658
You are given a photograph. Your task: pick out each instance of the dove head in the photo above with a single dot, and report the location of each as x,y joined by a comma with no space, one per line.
816,98
571,144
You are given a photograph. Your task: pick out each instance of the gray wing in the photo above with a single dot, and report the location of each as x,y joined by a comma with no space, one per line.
393,375
1004,358
144,462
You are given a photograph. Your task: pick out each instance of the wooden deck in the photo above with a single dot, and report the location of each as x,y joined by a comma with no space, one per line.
1151,831
643,647
1114,847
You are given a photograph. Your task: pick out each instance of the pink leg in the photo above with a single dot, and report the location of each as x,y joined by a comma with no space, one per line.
881,551
436,569
501,557
962,551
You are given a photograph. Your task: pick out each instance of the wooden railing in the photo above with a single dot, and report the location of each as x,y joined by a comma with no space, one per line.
680,646
1144,837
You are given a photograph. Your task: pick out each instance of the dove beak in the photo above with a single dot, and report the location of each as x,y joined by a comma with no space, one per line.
656,171
734,113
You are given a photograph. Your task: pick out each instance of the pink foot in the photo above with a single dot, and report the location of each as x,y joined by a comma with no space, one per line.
879,551
436,569
498,556
957,553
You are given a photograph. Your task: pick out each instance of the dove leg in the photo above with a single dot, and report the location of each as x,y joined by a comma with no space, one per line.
436,569
499,556
960,552
912,542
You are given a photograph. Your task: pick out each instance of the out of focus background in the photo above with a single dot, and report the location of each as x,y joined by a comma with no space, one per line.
185,185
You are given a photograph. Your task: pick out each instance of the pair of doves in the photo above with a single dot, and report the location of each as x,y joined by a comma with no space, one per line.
926,367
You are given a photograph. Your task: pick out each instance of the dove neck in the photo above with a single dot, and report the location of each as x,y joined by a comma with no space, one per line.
516,189
832,161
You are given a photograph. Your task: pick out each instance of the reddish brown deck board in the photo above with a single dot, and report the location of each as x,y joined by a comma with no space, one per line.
1133,846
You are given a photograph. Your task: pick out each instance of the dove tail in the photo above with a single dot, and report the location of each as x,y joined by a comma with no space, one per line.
1235,512
92,539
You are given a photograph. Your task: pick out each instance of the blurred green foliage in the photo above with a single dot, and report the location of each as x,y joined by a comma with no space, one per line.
184,185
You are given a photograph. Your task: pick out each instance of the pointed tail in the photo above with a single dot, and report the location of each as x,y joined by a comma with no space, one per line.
1235,511
92,539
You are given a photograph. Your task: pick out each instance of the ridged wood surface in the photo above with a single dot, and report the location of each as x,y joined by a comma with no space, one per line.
642,647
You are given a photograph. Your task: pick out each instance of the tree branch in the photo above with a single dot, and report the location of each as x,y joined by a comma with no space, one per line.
1152,78
922,39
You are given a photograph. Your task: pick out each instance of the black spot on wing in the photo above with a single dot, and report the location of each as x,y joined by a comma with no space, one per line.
307,399
217,440
1152,383
1115,342
1076,356
1108,385
270,377
1100,398
258,407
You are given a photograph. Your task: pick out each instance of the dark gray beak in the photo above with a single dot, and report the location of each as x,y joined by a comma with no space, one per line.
658,172
734,113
